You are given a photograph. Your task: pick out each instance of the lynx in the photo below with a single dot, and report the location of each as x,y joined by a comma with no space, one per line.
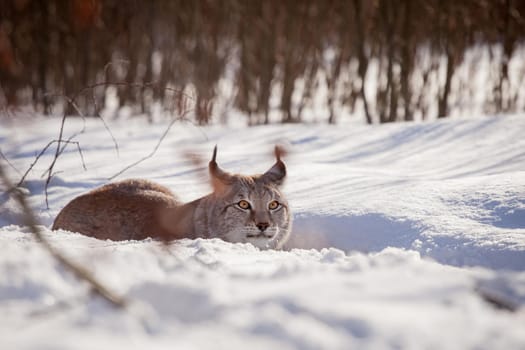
248,209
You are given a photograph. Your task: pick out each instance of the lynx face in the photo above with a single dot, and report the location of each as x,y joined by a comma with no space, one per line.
249,209
253,211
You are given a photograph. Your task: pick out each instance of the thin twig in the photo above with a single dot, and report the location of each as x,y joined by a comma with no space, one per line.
62,143
73,104
79,271
152,153
91,87
50,174
97,114
60,150
123,83
8,162
67,142
112,63
71,101
37,158
134,85
197,126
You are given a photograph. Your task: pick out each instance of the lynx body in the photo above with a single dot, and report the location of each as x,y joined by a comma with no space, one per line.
247,209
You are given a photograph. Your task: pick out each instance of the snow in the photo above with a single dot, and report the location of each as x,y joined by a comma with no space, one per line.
399,231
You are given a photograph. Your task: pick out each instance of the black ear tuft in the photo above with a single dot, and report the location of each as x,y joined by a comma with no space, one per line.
277,172
214,156
219,177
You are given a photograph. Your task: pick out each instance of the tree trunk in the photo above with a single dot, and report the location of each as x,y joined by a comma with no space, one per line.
443,100
406,61
362,59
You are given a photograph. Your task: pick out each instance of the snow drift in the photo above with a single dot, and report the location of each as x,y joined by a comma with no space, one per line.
401,233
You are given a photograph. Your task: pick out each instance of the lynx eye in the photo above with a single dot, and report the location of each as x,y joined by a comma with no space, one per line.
244,205
273,205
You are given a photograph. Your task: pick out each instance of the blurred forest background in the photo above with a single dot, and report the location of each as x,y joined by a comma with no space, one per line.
272,60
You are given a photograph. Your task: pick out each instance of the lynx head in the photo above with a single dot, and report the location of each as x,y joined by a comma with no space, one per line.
249,209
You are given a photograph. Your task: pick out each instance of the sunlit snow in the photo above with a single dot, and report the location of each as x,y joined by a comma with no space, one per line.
399,231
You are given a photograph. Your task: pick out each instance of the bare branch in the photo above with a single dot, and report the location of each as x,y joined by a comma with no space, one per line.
67,142
97,114
79,271
63,143
152,153
21,181
112,63
8,162
134,85
60,150
50,174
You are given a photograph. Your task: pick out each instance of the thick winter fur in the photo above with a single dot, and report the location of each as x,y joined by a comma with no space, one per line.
249,209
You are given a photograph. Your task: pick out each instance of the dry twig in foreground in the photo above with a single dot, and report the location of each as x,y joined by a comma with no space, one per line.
80,272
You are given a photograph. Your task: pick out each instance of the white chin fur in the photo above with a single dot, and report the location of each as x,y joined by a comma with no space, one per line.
241,235
260,242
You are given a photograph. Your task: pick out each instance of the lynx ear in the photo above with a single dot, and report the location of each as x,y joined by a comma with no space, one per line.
277,172
219,177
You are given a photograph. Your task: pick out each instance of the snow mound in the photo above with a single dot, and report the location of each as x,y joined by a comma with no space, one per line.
213,294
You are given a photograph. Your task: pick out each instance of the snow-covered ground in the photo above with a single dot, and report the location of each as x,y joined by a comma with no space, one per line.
398,232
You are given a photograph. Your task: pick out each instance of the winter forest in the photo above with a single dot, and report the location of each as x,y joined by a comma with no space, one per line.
262,174
273,61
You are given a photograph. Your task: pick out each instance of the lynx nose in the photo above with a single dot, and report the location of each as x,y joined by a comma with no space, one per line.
262,226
